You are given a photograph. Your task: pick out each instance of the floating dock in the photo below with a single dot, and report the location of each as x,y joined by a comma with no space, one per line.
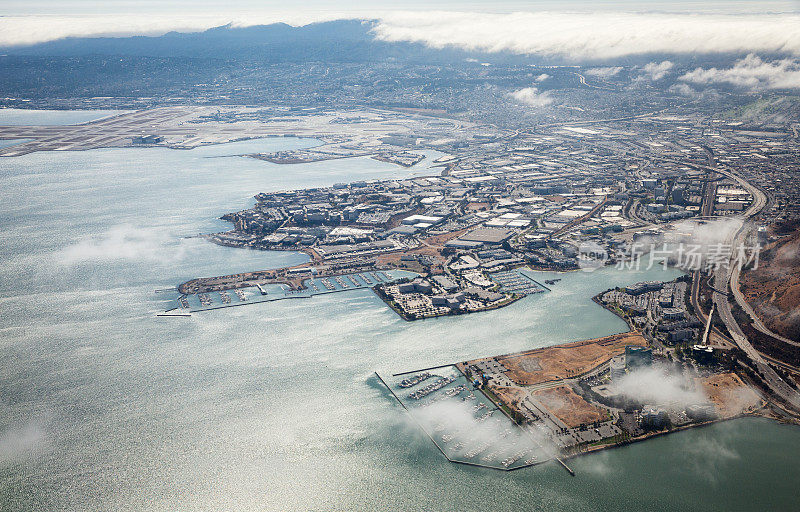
516,281
462,422
193,303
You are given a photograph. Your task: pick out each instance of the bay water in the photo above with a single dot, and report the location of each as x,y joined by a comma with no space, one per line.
105,406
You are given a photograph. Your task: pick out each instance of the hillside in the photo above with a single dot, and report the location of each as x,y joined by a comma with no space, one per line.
773,289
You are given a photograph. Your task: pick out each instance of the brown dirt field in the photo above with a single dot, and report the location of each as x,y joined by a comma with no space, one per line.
729,394
393,259
386,259
395,220
476,207
428,251
564,361
432,247
568,406
508,395
440,240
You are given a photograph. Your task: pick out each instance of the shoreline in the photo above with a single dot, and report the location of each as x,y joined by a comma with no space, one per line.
580,449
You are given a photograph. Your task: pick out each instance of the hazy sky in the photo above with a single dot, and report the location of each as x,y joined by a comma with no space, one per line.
72,7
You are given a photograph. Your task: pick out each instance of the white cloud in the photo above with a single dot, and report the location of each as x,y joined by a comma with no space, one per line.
458,418
709,455
657,70
659,387
531,96
542,77
683,90
603,72
124,242
582,35
598,35
751,72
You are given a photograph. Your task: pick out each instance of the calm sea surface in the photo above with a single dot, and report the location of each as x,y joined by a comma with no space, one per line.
104,406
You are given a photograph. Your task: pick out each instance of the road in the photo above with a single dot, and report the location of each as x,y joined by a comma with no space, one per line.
771,378
607,120
580,220
633,215
757,323
760,201
706,210
723,279
582,80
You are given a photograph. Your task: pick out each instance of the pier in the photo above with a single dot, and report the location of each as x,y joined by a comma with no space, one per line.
489,440
569,470
516,281
468,463
422,370
258,292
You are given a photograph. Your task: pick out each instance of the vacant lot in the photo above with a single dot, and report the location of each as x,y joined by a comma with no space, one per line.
729,394
568,406
565,361
509,396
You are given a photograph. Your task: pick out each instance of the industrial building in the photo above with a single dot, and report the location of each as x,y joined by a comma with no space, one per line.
636,356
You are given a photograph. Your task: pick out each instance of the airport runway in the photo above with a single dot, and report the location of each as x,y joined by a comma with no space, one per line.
116,131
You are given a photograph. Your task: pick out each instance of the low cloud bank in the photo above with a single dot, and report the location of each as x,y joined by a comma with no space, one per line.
602,35
660,387
456,418
709,232
751,72
569,35
28,30
123,242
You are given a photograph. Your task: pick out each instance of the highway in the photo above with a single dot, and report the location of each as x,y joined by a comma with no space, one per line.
706,210
757,323
582,80
771,377
607,120
760,200
723,279
633,215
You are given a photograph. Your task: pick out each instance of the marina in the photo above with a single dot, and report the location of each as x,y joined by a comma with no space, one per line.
192,303
462,422
355,427
413,381
516,281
